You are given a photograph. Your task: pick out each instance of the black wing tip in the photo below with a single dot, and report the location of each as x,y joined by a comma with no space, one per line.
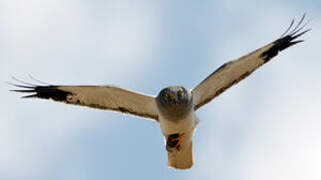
39,91
287,39
29,96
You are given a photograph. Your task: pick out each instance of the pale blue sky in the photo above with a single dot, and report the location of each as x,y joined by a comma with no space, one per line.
266,127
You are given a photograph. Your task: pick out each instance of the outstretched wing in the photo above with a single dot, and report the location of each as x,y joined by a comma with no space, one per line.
233,72
100,97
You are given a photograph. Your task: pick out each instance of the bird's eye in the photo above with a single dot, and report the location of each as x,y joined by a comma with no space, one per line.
179,93
166,95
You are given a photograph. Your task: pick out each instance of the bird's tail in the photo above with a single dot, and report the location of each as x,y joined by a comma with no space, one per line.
182,156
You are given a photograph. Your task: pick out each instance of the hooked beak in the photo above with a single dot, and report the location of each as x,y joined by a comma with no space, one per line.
173,96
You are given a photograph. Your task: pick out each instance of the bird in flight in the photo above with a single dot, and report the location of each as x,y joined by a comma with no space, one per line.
174,107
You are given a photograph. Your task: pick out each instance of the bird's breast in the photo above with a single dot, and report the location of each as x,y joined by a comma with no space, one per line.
171,126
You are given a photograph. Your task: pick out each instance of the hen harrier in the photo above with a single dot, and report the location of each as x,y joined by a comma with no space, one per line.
174,107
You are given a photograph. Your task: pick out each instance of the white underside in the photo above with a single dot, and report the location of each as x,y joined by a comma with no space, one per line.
183,157
183,125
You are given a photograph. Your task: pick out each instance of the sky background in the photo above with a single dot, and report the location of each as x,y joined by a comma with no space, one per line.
266,127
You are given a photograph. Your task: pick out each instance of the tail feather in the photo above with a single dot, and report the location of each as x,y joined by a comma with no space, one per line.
182,157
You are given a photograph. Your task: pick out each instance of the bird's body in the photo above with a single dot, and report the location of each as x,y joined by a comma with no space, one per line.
177,121
174,107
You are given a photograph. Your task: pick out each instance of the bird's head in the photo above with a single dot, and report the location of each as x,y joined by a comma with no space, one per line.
174,101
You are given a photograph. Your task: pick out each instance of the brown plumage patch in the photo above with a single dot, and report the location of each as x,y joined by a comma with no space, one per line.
173,142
